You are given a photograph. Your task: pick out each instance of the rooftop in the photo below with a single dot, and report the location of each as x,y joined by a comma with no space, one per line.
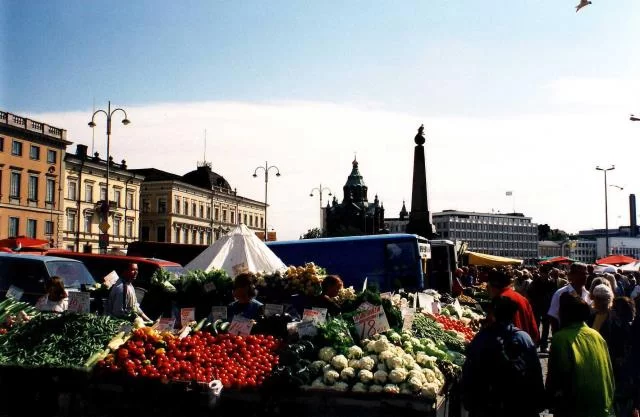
25,125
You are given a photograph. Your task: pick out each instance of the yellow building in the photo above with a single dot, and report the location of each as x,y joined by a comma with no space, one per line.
85,189
196,208
31,165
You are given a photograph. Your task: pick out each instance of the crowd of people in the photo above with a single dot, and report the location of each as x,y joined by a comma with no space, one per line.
593,357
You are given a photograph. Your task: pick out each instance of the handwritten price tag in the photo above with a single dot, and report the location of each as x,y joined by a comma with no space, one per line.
209,286
79,302
165,324
425,301
273,309
15,293
458,308
240,327
187,315
218,313
307,328
371,322
111,278
311,315
323,314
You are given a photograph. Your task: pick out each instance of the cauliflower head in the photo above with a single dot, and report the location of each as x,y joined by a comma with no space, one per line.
330,377
341,386
326,354
381,367
429,391
354,352
375,388
347,374
317,366
354,363
359,387
395,362
366,363
339,362
381,345
391,389
398,375
415,384
365,376
380,377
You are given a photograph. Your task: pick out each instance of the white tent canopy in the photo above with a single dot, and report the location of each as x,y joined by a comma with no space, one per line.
633,266
238,251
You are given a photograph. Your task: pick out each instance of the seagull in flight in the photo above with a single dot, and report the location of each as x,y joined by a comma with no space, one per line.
583,3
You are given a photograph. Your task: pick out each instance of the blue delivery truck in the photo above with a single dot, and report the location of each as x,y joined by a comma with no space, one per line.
388,261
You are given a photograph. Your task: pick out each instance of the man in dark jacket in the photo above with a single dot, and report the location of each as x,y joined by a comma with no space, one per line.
539,294
502,375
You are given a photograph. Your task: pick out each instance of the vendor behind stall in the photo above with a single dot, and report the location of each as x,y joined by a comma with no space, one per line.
331,286
244,291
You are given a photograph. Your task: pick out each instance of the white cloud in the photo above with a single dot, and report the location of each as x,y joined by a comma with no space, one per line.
547,160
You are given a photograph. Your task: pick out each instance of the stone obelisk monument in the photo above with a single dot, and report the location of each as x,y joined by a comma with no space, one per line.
419,217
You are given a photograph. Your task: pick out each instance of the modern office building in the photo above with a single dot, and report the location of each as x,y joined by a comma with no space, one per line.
511,235
31,168
86,190
195,208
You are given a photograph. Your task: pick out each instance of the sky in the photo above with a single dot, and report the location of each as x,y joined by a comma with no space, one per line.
525,96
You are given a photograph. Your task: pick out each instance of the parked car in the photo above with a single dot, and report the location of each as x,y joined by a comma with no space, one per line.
30,273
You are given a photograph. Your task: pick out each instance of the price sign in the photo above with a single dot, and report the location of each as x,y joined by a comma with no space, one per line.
371,322
15,293
187,315
165,324
273,309
365,306
79,302
435,307
111,278
311,315
323,314
209,286
307,328
407,323
425,301
240,326
458,308
218,313
239,268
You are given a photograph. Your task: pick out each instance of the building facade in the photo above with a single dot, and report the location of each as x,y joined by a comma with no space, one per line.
196,208
549,249
398,224
511,235
85,190
355,215
583,250
31,167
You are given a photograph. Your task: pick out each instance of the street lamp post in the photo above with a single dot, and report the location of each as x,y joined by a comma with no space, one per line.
266,169
105,204
320,189
606,208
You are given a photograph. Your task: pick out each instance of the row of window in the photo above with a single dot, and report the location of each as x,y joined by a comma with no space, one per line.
15,187
72,194
197,237
487,227
115,230
488,236
34,151
32,227
249,219
485,219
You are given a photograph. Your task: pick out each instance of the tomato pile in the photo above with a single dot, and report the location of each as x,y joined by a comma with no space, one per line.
452,324
236,361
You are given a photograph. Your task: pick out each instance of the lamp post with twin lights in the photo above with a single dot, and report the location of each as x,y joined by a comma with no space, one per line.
266,169
320,189
606,208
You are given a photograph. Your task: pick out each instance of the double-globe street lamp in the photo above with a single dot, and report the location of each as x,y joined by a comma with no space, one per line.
104,226
606,208
266,169
320,189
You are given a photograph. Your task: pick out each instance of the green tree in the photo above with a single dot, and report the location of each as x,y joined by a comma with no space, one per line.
312,234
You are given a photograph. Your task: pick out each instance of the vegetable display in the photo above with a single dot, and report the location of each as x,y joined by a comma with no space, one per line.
57,340
450,324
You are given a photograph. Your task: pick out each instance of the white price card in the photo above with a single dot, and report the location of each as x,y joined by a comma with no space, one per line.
371,322
458,308
322,318
407,322
273,309
311,315
425,301
365,306
15,293
165,324
240,326
79,302
110,279
209,286
306,328
218,313
435,307
187,315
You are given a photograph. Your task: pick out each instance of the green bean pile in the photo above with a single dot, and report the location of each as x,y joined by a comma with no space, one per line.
424,326
57,340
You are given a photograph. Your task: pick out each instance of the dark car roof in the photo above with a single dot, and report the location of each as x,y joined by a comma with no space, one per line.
134,259
42,258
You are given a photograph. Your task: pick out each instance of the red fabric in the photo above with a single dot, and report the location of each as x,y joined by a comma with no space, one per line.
524,318
456,288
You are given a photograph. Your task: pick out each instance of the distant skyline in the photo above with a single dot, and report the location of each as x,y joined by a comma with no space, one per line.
523,96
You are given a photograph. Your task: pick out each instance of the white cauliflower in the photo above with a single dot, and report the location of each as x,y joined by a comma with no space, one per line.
341,386
370,346
317,366
382,344
391,389
330,377
379,336
439,375
425,360
347,374
429,391
326,354
339,362
429,375
365,376
318,383
408,360
380,377
375,388
354,352
395,362
366,363
384,355
326,368
364,342
398,375
415,373
415,384
359,387
354,363
381,367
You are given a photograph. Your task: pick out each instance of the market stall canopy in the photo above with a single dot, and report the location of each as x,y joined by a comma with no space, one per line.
558,260
238,251
616,260
604,268
482,259
633,266
22,242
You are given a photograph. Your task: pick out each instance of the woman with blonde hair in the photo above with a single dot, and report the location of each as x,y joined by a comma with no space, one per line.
602,297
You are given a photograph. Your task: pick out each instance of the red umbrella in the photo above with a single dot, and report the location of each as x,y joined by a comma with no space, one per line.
23,242
616,260
558,260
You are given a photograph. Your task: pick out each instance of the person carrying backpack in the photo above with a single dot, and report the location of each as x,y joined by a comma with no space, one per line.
502,375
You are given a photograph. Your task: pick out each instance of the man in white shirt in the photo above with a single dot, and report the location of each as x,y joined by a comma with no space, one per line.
122,298
577,279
